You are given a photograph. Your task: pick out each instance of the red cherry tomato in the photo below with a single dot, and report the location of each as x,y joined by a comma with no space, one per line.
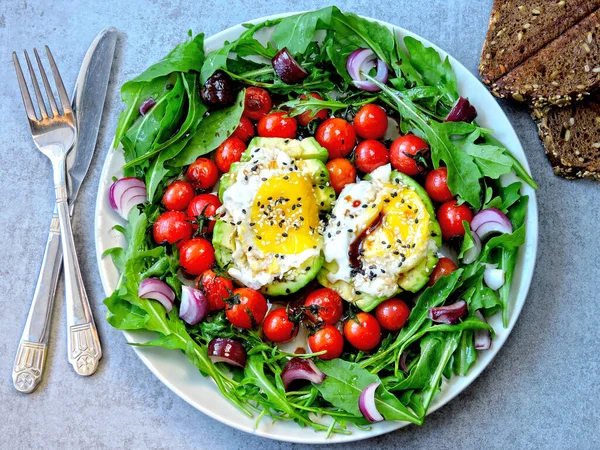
306,117
247,308
445,266
436,185
370,154
245,130
341,172
229,152
392,314
363,332
409,154
371,122
178,195
207,205
324,305
329,339
257,103
172,227
196,256
202,173
450,216
277,125
216,289
337,136
278,327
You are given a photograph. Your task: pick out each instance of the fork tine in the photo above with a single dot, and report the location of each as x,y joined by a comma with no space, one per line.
29,109
36,87
60,87
46,84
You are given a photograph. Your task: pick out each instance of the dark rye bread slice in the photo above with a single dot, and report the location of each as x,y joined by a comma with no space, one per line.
518,29
566,69
571,137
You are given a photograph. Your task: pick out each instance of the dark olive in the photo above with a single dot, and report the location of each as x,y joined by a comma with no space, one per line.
219,90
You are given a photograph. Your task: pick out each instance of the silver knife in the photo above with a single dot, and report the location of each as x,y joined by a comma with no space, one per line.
84,350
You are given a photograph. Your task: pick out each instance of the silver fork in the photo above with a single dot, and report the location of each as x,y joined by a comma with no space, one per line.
54,135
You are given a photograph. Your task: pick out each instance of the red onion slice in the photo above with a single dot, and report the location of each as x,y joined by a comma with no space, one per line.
489,215
147,106
449,314
482,339
194,305
362,61
403,361
155,289
366,403
227,351
493,277
471,255
287,68
301,369
126,193
462,111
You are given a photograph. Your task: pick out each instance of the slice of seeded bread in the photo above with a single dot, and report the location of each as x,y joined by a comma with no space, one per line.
519,28
571,137
566,69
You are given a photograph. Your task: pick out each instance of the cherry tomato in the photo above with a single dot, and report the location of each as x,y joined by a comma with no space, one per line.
337,136
409,154
306,117
229,152
207,205
216,288
178,195
392,314
257,103
363,332
172,227
341,172
277,125
245,130
324,305
329,339
451,216
370,155
445,266
371,122
196,256
202,173
247,308
436,185
278,327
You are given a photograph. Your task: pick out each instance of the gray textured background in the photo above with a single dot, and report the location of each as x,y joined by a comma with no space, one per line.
542,390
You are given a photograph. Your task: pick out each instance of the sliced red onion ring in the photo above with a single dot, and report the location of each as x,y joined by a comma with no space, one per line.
449,314
155,289
490,221
287,68
366,403
471,255
126,193
481,338
301,369
227,351
493,277
462,111
362,61
194,305
403,361
147,106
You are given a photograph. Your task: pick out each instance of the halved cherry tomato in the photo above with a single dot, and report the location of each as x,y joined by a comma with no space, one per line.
324,305
216,288
445,266
451,216
370,154
371,122
178,195
337,136
329,339
392,314
409,154
363,331
207,205
306,117
246,308
202,173
278,125
229,152
436,184
341,172
196,256
171,227
245,130
279,327
257,103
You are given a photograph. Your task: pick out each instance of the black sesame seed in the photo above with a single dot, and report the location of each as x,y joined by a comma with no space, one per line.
308,269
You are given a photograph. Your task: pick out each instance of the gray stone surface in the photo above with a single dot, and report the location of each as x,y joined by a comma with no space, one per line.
541,391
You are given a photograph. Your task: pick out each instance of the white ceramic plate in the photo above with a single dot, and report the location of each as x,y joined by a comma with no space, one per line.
172,367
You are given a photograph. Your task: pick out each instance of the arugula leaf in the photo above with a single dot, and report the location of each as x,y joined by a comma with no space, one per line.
468,241
492,161
296,32
465,354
